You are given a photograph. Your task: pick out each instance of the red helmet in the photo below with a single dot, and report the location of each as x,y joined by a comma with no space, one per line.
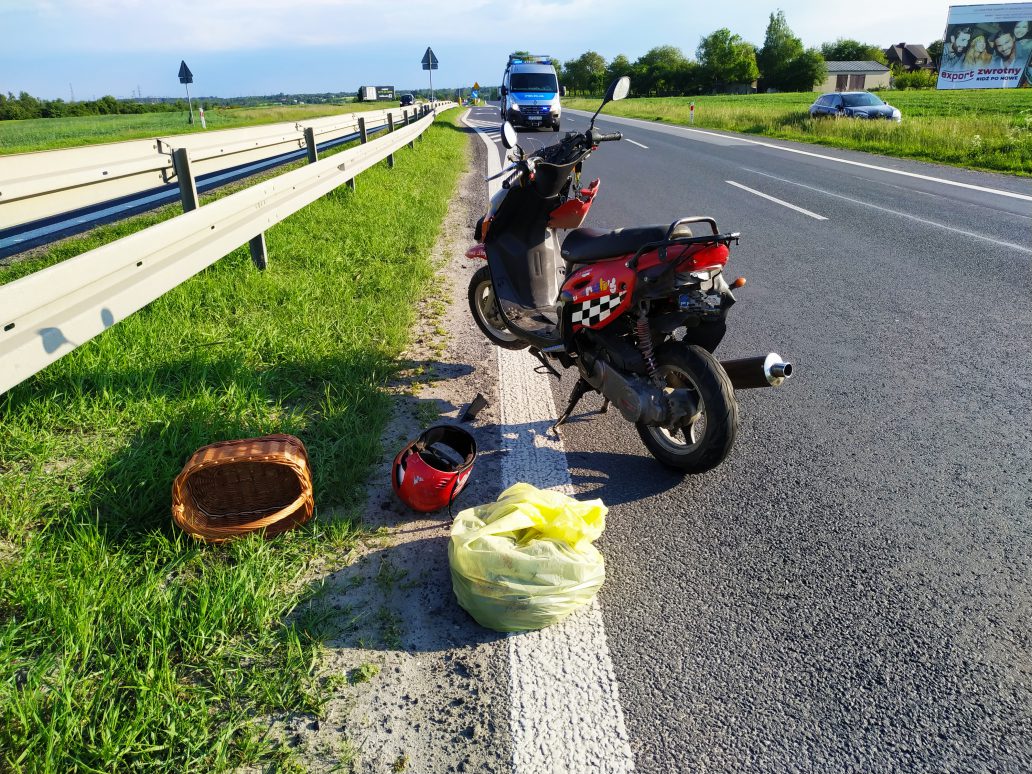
431,470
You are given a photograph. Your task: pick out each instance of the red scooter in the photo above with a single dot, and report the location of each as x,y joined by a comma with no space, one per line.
637,311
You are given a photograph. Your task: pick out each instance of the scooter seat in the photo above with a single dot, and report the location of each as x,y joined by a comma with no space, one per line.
587,245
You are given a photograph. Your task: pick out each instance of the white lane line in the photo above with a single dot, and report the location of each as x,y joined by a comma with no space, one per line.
943,181
906,215
813,215
632,142
565,714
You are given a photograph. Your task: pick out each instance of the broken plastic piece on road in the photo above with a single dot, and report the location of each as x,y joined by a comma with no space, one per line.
478,404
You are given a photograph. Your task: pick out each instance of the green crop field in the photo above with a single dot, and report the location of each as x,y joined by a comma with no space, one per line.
126,646
983,129
48,133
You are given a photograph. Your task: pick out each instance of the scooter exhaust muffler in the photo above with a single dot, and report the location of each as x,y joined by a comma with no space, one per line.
763,371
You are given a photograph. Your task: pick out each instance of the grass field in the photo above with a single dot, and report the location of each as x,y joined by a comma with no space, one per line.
123,645
48,133
990,130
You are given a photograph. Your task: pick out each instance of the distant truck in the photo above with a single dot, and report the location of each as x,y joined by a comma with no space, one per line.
367,94
530,92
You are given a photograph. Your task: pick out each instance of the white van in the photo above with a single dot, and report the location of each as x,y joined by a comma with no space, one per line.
530,92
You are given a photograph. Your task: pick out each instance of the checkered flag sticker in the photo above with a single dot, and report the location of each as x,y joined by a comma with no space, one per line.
595,310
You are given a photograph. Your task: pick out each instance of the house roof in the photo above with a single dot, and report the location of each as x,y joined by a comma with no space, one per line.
908,52
869,66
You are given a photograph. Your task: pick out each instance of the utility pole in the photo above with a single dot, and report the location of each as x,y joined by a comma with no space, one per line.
71,91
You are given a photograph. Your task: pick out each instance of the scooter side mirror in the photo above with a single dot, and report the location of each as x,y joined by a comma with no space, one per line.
618,89
509,138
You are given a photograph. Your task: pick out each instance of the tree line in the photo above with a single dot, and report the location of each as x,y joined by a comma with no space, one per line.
723,62
27,106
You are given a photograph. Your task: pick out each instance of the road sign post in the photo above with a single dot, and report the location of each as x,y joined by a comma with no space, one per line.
186,78
429,62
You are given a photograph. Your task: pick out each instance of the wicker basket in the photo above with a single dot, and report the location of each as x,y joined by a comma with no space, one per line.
232,488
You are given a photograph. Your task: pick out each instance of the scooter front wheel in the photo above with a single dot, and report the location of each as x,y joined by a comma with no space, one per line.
703,441
484,306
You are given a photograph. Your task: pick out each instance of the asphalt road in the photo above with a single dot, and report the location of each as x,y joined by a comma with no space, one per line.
850,590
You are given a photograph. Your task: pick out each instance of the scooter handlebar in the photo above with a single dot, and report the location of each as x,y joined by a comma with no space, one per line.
597,137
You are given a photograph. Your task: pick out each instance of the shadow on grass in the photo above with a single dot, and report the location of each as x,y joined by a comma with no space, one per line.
191,401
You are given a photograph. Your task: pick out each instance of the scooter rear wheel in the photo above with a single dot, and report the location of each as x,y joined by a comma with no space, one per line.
705,442
484,306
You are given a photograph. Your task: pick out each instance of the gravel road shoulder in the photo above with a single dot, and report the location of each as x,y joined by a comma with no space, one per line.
417,685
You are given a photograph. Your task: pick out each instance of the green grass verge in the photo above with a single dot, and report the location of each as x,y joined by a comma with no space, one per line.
36,134
986,129
125,646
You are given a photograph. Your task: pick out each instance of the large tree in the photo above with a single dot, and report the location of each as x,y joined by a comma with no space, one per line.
725,58
620,65
660,70
804,72
784,64
935,52
848,50
586,73
594,65
780,47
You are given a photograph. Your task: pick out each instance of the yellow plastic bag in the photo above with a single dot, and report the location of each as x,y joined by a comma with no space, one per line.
526,561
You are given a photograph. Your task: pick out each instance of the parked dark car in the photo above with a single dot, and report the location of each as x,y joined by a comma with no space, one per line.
407,99
854,104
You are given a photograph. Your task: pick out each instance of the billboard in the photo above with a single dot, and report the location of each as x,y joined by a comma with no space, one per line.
987,47
385,92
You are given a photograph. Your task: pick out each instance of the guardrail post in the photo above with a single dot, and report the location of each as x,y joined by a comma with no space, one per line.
313,149
187,186
259,254
408,120
390,128
364,139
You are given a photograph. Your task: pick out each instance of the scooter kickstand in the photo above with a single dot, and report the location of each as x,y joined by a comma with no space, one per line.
605,406
580,389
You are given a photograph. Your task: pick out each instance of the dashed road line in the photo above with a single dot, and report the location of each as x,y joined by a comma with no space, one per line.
632,142
782,202
689,131
906,215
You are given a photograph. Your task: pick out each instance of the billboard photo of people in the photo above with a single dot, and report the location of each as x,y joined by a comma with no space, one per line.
987,47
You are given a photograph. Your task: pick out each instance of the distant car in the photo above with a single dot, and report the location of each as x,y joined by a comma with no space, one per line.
407,99
854,104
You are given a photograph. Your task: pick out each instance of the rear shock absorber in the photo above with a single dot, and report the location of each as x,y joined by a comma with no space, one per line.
643,334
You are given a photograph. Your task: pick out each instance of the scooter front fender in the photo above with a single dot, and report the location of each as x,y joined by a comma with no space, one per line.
477,251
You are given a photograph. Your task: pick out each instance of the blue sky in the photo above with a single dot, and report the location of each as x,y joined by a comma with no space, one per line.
241,47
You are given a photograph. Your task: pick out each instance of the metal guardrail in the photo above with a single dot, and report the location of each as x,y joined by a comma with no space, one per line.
46,315
42,184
